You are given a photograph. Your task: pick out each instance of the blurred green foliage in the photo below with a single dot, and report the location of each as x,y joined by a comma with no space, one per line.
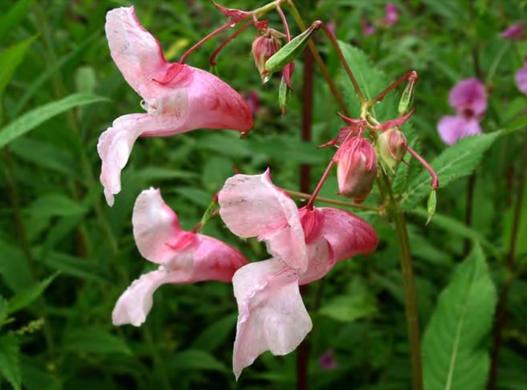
65,257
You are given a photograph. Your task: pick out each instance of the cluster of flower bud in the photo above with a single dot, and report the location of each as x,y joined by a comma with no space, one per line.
357,161
265,45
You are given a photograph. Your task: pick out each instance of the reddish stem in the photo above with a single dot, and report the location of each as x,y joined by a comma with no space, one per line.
199,226
320,184
284,22
209,36
411,75
435,179
212,59
335,44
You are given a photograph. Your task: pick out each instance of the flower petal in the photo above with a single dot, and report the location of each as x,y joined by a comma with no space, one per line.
521,79
115,146
321,261
347,234
272,316
136,52
469,94
156,227
215,260
135,303
453,128
250,206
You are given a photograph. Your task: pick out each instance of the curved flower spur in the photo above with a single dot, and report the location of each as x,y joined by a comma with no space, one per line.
183,257
177,97
305,245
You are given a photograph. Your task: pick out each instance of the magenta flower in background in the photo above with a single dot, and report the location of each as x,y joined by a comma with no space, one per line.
178,98
183,257
514,32
327,360
391,16
304,244
521,78
469,99
253,101
367,28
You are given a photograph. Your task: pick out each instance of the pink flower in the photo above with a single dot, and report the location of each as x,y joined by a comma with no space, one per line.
453,128
178,98
469,99
264,47
304,244
367,28
521,78
392,15
183,257
514,32
357,168
327,360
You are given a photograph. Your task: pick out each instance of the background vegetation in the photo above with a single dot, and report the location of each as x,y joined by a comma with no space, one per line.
65,257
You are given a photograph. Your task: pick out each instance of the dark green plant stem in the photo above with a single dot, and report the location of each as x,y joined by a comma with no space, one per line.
24,243
410,294
502,316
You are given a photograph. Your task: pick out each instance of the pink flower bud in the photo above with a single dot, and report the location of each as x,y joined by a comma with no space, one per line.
392,146
357,168
264,46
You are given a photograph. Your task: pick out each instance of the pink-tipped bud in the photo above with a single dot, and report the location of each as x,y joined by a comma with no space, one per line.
357,168
264,46
392,146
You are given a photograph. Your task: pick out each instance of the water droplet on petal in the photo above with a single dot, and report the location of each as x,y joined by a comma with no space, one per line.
144,105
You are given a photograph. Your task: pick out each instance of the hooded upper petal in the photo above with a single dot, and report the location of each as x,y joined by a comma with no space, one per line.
453,128
250,206
272,316
469,94
195,257
521,79
135,303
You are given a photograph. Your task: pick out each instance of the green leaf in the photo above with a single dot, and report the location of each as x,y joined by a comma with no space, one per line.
284,93
4,305
37,116
455,162
94,340
454,352
212,337
29,295
10,59
55,205
431,205
371,80
455,227
289,51
16,14
358,303
14,267
10,361
196,360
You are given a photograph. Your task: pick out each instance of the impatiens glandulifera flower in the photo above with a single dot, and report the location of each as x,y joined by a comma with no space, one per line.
469,99
356,169
327,360
521,78
514,32
392,15
263,48
183,257
178,98
367,28
392,146
305,245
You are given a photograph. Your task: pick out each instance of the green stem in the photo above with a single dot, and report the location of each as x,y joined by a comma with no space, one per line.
410,294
